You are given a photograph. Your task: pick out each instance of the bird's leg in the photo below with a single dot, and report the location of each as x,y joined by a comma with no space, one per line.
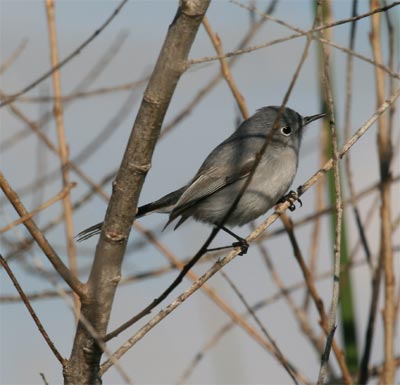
291,197
221,248
242,242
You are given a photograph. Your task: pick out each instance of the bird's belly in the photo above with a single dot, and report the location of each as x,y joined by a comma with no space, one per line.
267,186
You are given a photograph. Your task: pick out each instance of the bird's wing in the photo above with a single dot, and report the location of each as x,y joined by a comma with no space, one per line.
206,183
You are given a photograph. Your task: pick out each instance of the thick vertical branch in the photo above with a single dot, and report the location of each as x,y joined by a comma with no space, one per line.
105,274
385,157
63,147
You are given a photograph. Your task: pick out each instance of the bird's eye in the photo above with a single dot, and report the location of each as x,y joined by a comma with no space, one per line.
286,130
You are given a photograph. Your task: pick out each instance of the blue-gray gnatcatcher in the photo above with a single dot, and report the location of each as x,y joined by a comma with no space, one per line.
210,194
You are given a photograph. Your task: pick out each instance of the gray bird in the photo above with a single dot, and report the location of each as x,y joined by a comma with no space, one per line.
210,194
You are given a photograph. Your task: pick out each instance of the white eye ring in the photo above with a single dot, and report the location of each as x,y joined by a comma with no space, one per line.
286,131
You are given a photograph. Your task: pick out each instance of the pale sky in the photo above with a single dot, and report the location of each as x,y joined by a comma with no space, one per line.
262,77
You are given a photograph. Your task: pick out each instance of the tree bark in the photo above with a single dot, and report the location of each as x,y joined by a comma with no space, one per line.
104,277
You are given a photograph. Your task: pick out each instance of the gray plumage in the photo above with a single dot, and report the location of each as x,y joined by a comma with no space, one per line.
210,194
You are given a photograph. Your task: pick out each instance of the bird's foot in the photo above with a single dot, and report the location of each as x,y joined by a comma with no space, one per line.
292,197
243,244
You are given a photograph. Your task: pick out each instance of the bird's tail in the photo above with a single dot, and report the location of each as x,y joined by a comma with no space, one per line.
163,205
89,232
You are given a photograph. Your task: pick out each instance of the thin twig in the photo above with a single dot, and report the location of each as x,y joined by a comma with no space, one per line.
293,373
14,56
44,379
304,33
391,122
93,73
301,316
86,94
363,372
34,127
41,163
25,244
339,211
324,321
40,239
226,73
377,370
62,142
348,108
43,206
316,231
35,318
60,64
384,143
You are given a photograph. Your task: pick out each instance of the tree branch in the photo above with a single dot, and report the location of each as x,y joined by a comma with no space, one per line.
105,274
62,141
36,319
385,152
55,260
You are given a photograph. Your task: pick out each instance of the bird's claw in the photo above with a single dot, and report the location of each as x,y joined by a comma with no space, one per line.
243,244
292,197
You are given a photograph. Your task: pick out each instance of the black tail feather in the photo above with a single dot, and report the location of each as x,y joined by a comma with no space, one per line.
89,232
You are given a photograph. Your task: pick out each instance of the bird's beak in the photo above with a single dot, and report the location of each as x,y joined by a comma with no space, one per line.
309,119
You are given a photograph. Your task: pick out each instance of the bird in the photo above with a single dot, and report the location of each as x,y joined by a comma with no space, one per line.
210,194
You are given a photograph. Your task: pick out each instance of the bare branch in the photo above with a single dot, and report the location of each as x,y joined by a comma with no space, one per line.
330,326
76,52
226,73
77,91
40,239
63,146
304,33
43,206
293,373
385,151
32,312
14,56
